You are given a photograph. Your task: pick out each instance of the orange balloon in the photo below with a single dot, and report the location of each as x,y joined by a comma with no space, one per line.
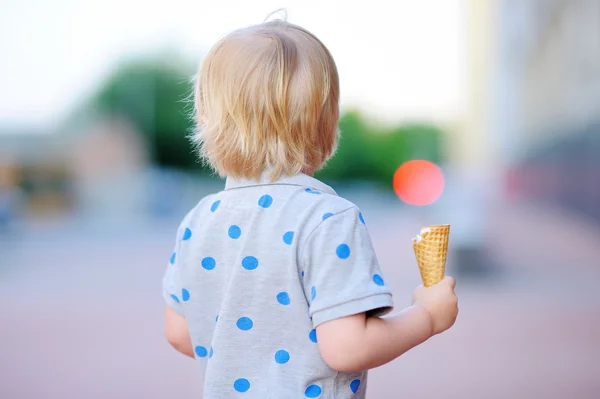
419,182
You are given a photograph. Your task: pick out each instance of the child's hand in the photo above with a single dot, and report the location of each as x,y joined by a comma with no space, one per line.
441,303
381,340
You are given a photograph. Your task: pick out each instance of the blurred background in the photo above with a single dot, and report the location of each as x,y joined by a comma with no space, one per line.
96,173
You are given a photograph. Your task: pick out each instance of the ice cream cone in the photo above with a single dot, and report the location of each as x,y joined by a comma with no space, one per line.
431,246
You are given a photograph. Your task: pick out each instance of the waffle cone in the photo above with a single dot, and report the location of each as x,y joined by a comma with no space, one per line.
430,252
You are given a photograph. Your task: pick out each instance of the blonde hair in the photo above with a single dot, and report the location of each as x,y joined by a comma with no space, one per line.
267,99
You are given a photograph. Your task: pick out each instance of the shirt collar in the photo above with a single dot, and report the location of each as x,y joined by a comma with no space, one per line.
298,180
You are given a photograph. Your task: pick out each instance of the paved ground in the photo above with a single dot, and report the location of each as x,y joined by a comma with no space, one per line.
71,330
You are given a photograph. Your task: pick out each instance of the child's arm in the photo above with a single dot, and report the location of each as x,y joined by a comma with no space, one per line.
177,333
343,284
356,343
176,328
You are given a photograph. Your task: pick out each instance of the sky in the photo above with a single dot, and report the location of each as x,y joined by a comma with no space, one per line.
401,59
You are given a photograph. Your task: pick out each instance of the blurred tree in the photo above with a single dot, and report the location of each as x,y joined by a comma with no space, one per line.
156,97
400,144
371,152
352,156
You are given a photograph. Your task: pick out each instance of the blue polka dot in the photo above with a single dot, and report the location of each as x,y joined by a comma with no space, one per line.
354,385
313,293
343,251
241,385
215,205
362,220
187,234
172,260
327,215
302,274
377,279
282,356
209,263
283,298
210,353
200,351
313,335
249,263
234,232
244,323
185,295
175,298
265,201
217,318
311,191
288,237
313,391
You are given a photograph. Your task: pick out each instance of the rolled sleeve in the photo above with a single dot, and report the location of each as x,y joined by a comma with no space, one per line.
171,282
171,290
342,274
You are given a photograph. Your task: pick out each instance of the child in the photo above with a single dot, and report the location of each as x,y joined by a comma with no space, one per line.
273,285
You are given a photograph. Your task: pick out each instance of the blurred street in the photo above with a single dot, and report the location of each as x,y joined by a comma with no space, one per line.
531,331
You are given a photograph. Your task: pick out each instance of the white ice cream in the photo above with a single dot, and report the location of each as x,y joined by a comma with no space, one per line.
419,236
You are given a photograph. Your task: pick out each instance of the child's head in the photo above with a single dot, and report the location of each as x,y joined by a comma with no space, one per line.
267,98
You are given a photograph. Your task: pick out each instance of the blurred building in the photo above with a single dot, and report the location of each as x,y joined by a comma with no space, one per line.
108,160
74,170
34,174
548,100
534,77
561,85
531,128
471,145
549,64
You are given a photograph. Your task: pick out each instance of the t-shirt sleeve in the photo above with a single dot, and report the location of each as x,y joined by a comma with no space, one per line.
342,276
172,287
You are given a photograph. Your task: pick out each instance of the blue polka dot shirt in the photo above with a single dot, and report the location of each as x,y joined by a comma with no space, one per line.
255,269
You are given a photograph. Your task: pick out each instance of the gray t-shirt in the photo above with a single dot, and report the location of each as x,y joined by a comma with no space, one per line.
256,268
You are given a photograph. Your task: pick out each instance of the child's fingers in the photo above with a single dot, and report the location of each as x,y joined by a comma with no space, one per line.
451,281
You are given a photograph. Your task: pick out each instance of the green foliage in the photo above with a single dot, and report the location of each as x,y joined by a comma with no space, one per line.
155,96
368,152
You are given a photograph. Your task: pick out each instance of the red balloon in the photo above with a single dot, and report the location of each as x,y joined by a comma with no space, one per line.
419,182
